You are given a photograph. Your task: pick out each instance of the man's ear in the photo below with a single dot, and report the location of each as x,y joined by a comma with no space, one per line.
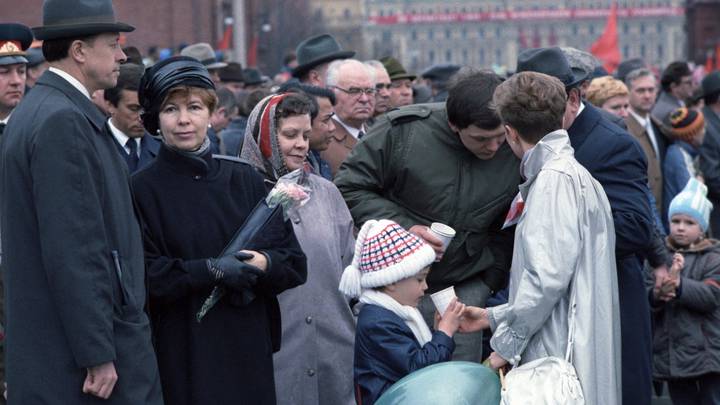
453,127
78,50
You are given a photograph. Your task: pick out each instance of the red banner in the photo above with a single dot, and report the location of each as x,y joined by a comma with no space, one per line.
547,14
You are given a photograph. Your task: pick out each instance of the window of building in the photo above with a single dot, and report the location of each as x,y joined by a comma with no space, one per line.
498,56
642,50
448,55
413,35
497,32
347,14
626,28
463,33
465,56
626,51
431,56
386,36
658,27
575,29
448,33
481,33
591,29
431,33
642,28
660,51
482,56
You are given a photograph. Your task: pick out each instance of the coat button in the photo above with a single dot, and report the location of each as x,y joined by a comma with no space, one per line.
308,320
310,372
197,177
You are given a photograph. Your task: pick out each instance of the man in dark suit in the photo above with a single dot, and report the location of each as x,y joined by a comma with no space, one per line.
710,149
615,160
73,266
132,142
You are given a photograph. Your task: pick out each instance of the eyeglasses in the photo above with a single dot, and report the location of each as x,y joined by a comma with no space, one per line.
357,91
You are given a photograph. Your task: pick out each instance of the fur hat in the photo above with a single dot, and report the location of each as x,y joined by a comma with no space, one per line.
692,201
384,254
686,123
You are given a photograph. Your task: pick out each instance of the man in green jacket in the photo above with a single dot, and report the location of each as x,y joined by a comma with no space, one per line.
448,163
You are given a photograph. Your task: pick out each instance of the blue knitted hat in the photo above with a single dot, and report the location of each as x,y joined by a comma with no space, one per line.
692,201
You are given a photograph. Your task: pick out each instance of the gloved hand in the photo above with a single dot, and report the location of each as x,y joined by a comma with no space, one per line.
233,272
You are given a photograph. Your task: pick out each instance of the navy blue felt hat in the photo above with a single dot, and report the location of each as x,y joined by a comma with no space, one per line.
552,62
78,18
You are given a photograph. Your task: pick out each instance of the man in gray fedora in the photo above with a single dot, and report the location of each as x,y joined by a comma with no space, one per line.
314,56
73,266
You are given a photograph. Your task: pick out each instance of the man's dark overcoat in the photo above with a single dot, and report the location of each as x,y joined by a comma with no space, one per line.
616,160
73,256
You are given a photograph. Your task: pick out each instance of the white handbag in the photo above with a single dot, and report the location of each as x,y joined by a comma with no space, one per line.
548,380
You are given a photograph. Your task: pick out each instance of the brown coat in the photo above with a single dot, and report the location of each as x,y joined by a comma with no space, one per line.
654,171
341,143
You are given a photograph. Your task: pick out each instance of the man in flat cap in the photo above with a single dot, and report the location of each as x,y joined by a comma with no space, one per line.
401,90
75,289
314,56
437,77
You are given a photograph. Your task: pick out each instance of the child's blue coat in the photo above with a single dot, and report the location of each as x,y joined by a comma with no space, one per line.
386,351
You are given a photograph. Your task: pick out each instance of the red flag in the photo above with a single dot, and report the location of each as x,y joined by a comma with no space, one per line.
252,53
708,63
224,43
606,47
717,57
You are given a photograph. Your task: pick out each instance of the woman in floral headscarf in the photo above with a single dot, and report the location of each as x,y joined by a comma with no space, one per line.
315,362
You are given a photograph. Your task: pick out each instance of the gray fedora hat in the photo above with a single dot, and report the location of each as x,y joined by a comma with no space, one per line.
552,62
203,52
318,50
78,18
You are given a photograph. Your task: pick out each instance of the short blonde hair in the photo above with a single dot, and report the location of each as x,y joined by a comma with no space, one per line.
604,88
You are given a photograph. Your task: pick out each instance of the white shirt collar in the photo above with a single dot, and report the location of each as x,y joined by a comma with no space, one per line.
72,80
5,121
352,130
582,107
641,120
121,137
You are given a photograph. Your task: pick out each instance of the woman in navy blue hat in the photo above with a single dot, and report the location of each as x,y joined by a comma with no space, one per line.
191,204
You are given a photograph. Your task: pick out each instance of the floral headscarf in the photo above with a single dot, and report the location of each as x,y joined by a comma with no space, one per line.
260,146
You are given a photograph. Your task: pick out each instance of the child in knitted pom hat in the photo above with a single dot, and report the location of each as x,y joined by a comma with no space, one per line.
392,340
686,336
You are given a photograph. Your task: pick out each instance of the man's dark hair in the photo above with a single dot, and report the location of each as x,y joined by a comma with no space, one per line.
133,55
314,92
252,99
711,99
226,98
292,104
532,103
673,73
58,49
469,101
129,79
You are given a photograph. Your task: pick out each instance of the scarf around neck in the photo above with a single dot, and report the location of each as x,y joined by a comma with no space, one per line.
411,315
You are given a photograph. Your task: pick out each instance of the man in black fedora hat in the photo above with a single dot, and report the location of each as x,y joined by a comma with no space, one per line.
313,57
74,271
616,160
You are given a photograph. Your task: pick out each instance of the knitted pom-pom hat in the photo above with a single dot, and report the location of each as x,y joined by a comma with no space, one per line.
384,254
692,201
686,123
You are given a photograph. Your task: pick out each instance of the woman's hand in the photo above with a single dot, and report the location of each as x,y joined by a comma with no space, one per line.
474,319
496,362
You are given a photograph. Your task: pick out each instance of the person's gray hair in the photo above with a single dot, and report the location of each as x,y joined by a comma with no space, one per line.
580,59
636,74
332,76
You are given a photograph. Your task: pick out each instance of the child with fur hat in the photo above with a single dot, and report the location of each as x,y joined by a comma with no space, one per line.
392,340
686,310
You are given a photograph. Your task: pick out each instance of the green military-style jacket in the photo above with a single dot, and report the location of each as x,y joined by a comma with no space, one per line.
413,169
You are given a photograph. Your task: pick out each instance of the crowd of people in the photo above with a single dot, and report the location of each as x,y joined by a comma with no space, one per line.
582,205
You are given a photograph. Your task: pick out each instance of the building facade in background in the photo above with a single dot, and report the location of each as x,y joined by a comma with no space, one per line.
492,32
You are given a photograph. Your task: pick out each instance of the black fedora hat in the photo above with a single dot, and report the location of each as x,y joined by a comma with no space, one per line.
252,77
15,39
318,50
77,18
552,62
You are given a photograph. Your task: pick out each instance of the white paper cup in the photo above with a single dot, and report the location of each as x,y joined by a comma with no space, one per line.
442,299
443,232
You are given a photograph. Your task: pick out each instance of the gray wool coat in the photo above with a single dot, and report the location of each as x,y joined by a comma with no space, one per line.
73,263
315,363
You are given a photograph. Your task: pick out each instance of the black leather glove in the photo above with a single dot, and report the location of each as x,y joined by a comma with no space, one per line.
233,272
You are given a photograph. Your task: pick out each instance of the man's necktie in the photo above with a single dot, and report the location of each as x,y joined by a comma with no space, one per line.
133,159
